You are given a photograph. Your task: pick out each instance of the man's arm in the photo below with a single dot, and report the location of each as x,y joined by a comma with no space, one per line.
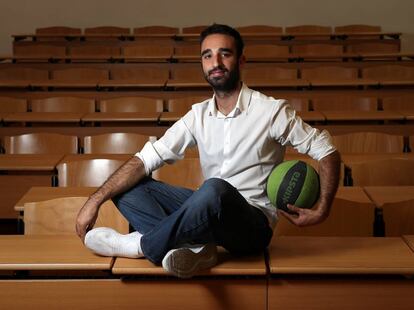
329,169
121,180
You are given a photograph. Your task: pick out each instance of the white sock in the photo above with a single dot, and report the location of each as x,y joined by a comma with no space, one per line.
107,242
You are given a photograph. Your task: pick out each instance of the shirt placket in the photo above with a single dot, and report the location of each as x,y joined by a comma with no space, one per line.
226,146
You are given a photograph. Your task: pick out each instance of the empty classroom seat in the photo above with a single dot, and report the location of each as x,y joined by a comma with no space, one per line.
148,51
259,29
58,216
254,75
114,143
10,104
80,74
107,30
317,49
253,51
345,103
23,74
329,73
131,104
40,50
41,143
143,73
86,172
357,28
368,142
183,104
389,72
185,173
372,47
63,104
95,50
193,29
156,29
383,172
398,103
352,214
187,50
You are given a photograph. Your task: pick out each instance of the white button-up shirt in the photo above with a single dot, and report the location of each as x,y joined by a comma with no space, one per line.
242,147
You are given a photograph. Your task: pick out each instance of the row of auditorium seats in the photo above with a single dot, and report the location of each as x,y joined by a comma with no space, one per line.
183,104
175,52
130,143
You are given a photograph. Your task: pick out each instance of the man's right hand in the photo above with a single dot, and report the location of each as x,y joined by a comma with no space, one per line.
86,218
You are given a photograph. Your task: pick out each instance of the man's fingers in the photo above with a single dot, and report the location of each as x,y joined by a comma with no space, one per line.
292,218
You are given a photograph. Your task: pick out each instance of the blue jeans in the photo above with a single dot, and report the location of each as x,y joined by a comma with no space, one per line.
170,216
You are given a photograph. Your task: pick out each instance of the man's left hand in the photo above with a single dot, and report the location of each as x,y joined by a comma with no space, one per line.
303,217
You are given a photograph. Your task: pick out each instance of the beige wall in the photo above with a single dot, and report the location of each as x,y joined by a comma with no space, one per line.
23,16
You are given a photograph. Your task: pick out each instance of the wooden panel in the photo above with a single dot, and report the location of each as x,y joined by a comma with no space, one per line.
115,143
344,103
59,30
340,255
156,30
352,214
80,74
10,104
107,30
368,142
151,294
131,104
64,211
41,143
183,104
340,293
25,74
63,104
357,28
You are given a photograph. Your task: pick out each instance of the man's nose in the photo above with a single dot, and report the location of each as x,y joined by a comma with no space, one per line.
217,61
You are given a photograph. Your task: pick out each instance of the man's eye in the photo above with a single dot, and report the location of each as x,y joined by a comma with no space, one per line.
206,56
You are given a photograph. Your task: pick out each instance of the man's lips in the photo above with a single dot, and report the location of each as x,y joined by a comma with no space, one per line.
217,72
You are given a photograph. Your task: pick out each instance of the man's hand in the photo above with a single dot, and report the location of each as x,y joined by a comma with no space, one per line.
86,218
304,217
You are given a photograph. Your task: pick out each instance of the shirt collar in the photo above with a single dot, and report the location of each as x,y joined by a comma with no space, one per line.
242,104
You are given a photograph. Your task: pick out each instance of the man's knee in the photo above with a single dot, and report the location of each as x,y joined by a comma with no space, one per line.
216,186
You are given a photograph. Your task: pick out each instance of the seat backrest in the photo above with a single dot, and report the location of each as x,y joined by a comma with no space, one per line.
399,218
185,173
58,30
115,143
398,103
142,50
95,50
187,50
383,172
243,30
344,103
63,104
107,30
308,29
39,50
9,104
266,50
188,72
368,142
131,104
156,29
373,47
193,29
24,74
41,143
317,49
143,73
357,28
299,104
329,72
58,216
347,218
183,104
268,73
80,74
393,72
86,172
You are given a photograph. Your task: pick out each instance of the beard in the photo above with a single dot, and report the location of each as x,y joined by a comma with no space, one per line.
224,83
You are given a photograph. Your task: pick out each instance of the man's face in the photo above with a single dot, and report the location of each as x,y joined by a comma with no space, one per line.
221,66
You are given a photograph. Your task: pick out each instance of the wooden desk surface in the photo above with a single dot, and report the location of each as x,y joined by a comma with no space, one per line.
44,117
227,265
73,157
340,255
409,239
41,193
381,195
29,162
362,115
171,116
48,252
352,193
186,83
343,82
121,117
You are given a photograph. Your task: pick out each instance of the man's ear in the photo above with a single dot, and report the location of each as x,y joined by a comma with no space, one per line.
242,60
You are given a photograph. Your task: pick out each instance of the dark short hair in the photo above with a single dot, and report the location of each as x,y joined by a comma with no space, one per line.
226,30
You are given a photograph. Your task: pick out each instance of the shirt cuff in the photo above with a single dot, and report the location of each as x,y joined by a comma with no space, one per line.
150,158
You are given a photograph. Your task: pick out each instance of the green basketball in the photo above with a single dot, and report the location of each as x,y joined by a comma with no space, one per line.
293,182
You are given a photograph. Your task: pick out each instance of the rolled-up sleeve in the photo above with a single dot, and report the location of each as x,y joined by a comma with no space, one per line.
290,130
170,147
